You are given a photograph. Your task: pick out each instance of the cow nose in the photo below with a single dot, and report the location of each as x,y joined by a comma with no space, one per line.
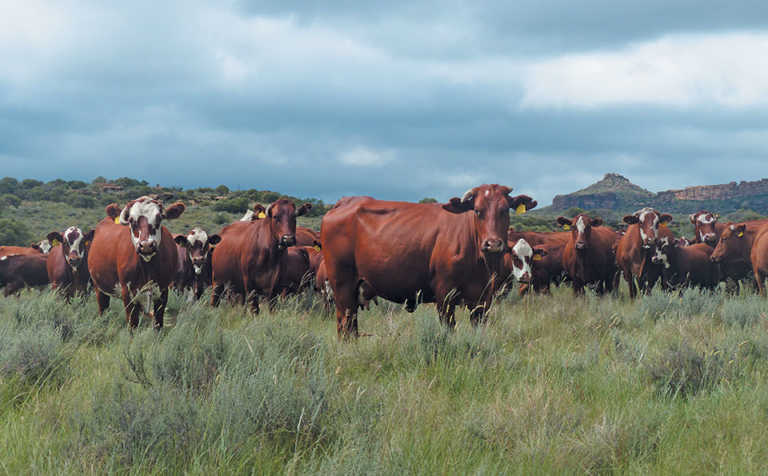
493,245
288,240
147,247
715,259
526,277
580,245
710,238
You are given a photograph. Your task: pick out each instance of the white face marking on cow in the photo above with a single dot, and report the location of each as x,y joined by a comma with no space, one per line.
197,235
74,238
45,246
523,251
661,258
580,226
706,219
487,192
733,228
145,207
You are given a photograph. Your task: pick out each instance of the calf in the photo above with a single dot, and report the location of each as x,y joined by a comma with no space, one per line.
746,242
588,257
636,247
248,258
520,260
685,266
19,271
194,261
133,253
43,247
68,263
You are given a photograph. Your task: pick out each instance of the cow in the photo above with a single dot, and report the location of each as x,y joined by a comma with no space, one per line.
295,271
307,237
247,260
132,253
706,227
519,261
67,263
549,269
194,260
588,257
748,242
19,271
635,249
685,266
449,254
43,247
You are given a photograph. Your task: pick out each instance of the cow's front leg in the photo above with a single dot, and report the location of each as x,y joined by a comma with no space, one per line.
159,308
131,307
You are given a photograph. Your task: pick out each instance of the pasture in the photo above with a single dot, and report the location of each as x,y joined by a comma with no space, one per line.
665,385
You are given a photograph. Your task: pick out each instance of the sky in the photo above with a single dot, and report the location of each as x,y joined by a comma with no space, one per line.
395,99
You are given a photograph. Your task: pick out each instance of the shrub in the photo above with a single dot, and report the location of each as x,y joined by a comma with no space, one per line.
743,312
232,205
13,232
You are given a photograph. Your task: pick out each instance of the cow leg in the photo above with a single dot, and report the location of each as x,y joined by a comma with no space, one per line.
159,308
630,279
131,308
345,296
216,293
578,287
103,301
760,278
477,315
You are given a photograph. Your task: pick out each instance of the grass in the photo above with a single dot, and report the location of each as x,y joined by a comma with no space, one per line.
667,384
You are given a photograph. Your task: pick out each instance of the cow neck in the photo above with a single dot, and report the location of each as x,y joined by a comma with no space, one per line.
749,236
492,262
264,237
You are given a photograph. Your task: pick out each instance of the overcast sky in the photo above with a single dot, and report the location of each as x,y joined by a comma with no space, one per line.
399,100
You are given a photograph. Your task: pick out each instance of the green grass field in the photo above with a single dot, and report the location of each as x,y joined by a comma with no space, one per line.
662,385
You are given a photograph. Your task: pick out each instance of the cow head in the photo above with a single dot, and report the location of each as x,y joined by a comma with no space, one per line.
282,219
491,204
661,252
522,257
74,244
198,245
145,218
581,229
704,223
43,247
732,244
649,221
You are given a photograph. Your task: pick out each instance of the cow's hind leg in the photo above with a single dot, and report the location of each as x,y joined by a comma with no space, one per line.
345,295
103,301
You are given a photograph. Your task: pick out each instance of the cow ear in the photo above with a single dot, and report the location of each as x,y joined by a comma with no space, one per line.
539,253
597,222
174,211
692,217
631,220
113,210
36,246
717,216
302,210
181,240
665,218
521,203
214,240
740,229
563,221
259,212
457,205
124,215
55,237
89,237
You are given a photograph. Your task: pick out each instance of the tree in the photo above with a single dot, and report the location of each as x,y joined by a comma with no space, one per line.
222,190
428,200
14,233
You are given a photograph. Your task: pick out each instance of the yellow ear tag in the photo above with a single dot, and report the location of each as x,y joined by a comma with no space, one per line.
662,225
55,243
87,243
117,220
537,257
316,247
520,209
261,215
741,233
566,227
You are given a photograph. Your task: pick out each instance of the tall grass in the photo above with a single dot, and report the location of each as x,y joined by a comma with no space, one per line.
668,383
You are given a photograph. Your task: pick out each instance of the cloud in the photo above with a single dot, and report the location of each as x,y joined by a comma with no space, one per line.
721,70
365,157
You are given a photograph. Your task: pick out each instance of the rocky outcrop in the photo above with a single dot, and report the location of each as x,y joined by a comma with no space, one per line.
718,192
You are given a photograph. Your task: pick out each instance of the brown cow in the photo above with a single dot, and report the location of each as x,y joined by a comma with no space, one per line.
707,229
307,237
685,266
133,253
43,247
636,248
519,261
193,269
746,242
19,271
68,263
447,254
588,257
248,258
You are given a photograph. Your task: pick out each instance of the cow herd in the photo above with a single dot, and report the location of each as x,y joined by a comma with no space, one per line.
460,253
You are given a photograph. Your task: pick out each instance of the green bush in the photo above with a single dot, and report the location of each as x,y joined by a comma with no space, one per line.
232,205
15,233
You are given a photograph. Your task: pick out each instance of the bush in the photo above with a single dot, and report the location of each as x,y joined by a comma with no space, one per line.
10,200
15,233
681,370
743,312
232,205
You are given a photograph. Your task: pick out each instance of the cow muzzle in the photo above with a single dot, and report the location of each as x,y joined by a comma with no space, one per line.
716,258
710,238
287,240
197,265
74,260
581,245
147,250
525,278
493,245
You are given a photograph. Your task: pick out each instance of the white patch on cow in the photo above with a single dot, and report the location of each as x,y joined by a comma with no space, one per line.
198,269
76,245
45,246
487,192
523,251
248,216
197,235
661,257
4,258
580,226
706,219
145,207
733,228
